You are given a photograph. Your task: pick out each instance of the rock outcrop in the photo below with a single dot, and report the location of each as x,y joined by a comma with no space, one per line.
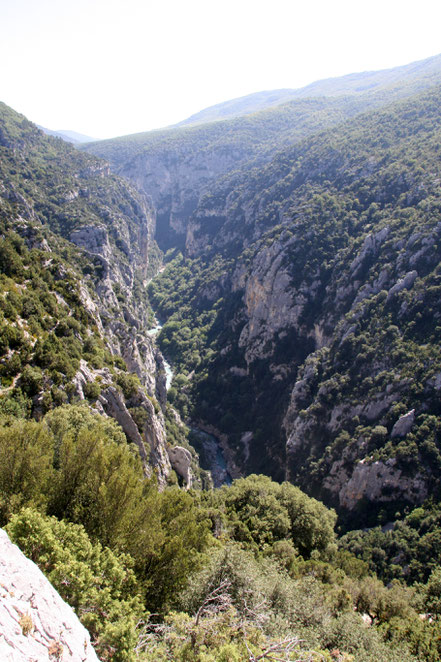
378,482
180,459
403,425
35,623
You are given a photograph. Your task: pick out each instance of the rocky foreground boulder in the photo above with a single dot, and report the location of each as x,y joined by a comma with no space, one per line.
36,625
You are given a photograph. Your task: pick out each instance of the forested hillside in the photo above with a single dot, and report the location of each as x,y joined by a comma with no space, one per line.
299,297
76,249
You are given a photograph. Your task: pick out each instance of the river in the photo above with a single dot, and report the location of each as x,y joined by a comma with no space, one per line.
207,445
153,332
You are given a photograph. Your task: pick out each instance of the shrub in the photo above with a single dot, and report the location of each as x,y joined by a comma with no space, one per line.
99,584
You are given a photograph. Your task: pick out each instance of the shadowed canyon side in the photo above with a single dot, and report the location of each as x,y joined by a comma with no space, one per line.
298,317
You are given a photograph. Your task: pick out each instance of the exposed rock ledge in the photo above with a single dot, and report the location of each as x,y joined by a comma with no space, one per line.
376,482
27,597
180,459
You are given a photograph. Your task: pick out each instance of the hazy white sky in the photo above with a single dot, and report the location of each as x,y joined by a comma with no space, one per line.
112,67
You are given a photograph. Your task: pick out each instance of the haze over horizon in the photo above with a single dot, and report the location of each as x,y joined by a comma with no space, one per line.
106,68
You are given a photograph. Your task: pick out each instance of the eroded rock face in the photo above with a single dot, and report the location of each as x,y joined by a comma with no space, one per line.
269,302
94,239
289,308
404,283
35,623
114,405
381,481
152,443
180,459
122,319
369,248
122,251
118,313
403,425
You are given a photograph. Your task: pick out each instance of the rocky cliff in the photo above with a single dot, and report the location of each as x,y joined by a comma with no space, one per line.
35,623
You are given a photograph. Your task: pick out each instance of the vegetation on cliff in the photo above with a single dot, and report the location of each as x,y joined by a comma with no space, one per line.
76,249
303,322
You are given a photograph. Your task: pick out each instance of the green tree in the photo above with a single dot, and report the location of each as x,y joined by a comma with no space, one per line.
26,466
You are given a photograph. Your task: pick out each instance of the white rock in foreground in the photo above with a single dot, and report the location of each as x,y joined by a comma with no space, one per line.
28,598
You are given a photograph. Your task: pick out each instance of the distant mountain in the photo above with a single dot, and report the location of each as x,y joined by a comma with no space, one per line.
418,74
250,103
68,136
176,166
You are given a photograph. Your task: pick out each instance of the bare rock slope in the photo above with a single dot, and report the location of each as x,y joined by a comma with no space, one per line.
36,625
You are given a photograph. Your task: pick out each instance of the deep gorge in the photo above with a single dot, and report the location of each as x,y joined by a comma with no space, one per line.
257,475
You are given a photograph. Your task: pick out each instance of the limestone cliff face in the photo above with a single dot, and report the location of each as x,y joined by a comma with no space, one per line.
122,315
176,180
122,251
375,482
269,301
35,623
122,319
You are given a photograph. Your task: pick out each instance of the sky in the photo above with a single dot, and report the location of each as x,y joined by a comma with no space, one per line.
113,67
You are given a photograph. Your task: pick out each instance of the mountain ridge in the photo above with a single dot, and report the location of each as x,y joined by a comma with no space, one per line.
353,83
70,136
